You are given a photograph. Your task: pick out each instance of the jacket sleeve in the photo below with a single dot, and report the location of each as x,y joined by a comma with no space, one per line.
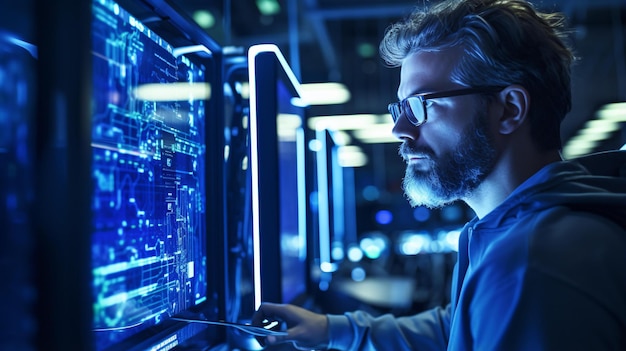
359,331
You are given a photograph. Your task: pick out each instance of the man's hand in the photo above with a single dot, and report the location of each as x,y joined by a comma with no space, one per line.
306,330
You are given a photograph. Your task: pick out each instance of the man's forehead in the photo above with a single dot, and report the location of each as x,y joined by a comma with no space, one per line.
427,71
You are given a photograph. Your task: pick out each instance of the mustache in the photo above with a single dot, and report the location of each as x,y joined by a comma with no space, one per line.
405,150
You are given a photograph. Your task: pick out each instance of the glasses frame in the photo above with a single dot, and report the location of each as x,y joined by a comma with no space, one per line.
402,107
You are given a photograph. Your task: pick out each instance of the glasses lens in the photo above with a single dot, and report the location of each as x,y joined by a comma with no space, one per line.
415,111
394,110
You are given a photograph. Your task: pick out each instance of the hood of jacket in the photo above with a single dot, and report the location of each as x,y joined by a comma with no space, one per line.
595,183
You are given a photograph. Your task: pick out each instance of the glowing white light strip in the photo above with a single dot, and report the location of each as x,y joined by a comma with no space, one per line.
323,203
351,156
301,182
368,128
608,120
325,93
343,122
338,210
32,49
253,51
189,49
172,91
254,168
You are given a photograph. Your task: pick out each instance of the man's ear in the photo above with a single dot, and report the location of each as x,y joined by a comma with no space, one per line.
516,101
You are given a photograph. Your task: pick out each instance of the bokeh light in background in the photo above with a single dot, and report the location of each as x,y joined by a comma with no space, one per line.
421,214
370,193
337,252
355,254
452,213
384,217
358,274
414,243
374,245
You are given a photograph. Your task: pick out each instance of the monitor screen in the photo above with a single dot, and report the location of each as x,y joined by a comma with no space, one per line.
330,206
18,170
291,149
278,185
148,168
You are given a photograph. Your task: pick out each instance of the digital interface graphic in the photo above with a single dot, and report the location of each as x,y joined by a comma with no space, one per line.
148,170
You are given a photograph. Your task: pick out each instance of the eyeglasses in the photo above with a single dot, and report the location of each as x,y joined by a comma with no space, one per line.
414,107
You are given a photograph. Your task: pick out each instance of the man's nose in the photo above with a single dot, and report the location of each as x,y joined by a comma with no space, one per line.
403,129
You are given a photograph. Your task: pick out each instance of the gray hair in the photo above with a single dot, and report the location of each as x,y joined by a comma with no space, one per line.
505,42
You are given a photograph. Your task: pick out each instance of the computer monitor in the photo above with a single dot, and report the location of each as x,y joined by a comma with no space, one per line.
237,185
151,171
293,240
17,175
281,271
330,206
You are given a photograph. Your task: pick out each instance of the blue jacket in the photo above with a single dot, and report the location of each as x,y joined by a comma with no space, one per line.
545,270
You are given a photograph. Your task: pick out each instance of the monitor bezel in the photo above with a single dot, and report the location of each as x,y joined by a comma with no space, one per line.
267,65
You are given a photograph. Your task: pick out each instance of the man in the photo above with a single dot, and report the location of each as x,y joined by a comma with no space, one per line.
484,87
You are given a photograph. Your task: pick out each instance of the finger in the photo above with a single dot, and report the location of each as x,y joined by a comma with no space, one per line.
269,311
277,339
271,339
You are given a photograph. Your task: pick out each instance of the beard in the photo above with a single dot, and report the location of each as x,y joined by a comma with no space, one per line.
453,175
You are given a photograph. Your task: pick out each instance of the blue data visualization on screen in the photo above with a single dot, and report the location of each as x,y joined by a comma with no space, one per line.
148,169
